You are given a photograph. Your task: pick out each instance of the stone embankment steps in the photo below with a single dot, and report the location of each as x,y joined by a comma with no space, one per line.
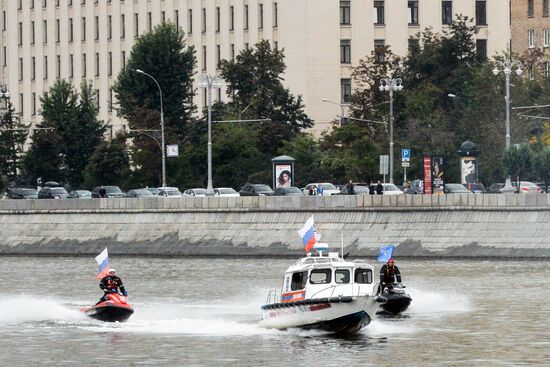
465,225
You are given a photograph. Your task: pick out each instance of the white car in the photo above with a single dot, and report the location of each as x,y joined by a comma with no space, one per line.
327,189
168,192
389,189
194,192
225,192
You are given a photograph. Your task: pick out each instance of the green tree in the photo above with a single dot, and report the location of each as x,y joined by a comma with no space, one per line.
44,159
518,161
542,165
255,85
163,54
109,165
13,135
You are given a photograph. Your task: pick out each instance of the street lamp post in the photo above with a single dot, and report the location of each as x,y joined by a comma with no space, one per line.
390,85
161,128
209,82
507,67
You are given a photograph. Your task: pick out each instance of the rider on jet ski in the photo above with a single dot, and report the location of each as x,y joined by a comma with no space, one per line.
111,284
389,274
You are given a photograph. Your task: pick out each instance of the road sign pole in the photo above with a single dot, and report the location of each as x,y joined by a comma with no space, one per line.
404,175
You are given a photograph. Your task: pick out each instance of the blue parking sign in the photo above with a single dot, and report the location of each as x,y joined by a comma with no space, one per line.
405,155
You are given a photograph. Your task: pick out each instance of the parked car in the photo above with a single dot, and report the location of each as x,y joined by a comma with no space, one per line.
111,192
416,187
495,188
169,192
388,189
526,187
194,192
287,191
53,193
139,193
456,188
21,193
80,194
476,188
358,189
225,191
255,190
326,187
542,186
153,190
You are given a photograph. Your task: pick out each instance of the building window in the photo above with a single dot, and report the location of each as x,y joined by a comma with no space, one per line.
20,68
123,57
345,51
378,12
84,62
33,68
97,98
71,30
19,4
4,56
203,20
163,16
110,64
57,31
96,28
217,19
413,45
71,66
44,3
136,25
345,90
58,66
544,8
110,102
83,29
530,8
33,103
44,31
32,32
4,20
530,72
380,50
413,12
122,26
345,12
97,64
45,68
177,16
481,50
246,17
20,34
531,36
275,15
481,12
218,56
190,21
232,51
109,27
546,37
149,21
261,16
546,69
246,45
203,57
446,12
31,6
21,103
231,18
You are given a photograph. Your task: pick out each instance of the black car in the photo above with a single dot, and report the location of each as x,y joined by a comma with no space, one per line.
53,193
495,188
112,192
456,188
21,193
80,194
139,193
287,191
358,190
255,190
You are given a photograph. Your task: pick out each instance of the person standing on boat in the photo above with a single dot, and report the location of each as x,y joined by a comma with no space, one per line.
111,284
389,274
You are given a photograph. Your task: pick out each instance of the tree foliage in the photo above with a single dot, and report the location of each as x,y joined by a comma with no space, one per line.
13,134
109,165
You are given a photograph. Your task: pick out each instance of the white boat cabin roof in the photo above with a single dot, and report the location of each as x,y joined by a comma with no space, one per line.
324,262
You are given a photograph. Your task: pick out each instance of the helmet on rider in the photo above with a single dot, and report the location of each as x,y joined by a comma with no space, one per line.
391,262
112,271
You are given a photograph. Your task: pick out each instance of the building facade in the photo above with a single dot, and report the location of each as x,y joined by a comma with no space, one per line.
44,40
531,29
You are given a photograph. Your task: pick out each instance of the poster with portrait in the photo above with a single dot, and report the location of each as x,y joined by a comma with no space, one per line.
283,175
468,170
437,175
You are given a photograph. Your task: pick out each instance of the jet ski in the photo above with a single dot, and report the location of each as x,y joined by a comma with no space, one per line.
115,308
397,300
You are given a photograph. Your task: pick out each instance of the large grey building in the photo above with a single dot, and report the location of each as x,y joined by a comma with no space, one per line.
43,40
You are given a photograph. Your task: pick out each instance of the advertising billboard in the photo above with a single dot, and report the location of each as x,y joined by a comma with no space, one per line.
468,170
437,175
427,175
283,173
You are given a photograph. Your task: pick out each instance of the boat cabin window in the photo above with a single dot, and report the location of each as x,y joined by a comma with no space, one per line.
320,276
341,276
363,276
298,281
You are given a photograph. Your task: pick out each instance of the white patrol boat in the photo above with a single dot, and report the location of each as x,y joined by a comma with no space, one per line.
323,292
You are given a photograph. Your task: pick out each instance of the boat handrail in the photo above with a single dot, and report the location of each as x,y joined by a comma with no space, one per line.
273,296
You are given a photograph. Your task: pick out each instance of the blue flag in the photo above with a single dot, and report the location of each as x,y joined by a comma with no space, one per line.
386,253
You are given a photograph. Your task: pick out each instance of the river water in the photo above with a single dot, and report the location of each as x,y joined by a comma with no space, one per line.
205,312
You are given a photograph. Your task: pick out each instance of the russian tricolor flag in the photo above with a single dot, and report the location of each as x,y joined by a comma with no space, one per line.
308,234
103,261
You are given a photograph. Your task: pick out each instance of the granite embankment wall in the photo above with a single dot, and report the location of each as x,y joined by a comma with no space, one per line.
465,225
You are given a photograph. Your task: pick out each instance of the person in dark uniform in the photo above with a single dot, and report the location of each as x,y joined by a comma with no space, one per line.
389,274
379,189
102,192
111,284
350,188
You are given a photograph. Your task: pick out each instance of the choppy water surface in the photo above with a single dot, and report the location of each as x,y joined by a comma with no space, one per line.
205,312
